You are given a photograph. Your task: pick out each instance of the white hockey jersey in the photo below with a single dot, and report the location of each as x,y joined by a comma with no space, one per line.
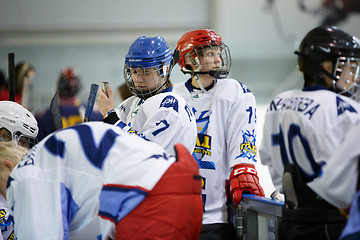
6,221
55,190
305,127
164,118
226,125
341,174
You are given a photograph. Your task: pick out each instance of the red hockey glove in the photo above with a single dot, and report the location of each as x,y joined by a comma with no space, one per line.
244,178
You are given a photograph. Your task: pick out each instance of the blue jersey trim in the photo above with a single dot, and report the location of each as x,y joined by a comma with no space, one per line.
169,89
117,202
314,88
69,208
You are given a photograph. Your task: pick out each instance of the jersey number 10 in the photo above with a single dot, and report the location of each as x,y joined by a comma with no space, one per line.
293,132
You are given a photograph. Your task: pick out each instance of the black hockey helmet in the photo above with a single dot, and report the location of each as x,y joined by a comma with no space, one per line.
328,43
325,43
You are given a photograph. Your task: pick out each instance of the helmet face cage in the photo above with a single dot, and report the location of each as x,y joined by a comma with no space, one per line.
21,139
145,82
347,76
213,58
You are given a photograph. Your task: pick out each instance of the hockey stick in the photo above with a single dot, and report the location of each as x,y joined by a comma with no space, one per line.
11,71
90,102
104,88
174,61
55,112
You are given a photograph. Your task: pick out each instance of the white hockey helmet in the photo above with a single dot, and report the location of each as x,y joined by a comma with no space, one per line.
17,123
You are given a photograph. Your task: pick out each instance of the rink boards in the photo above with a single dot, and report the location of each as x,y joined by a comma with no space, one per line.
258,218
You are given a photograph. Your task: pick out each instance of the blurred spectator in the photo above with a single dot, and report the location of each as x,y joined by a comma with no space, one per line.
24,75
71,108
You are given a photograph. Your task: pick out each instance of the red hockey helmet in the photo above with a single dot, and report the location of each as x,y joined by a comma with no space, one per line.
193,42
69,83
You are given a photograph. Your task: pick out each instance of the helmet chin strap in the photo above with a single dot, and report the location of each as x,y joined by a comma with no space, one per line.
199,83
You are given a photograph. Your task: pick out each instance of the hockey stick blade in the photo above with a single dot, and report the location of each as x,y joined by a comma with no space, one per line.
55,112
90,103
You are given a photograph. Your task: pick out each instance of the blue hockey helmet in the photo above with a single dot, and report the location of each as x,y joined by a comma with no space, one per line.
147,56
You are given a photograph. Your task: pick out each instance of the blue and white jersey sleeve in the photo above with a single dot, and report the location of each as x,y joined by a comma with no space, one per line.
164,118
241,128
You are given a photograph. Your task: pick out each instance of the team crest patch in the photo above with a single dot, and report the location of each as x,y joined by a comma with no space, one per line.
170,102
343,106
248,147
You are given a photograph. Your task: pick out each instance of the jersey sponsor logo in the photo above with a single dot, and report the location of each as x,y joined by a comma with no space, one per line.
203,141
299,104
343,106
170,102
202,148
248,147
135,111
12,236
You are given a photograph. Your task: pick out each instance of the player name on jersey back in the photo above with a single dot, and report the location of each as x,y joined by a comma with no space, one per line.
305,105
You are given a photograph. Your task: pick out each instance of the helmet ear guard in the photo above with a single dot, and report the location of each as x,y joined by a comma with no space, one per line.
193,61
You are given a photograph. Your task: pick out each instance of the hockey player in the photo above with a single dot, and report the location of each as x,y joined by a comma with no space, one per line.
10,154
225,112
96,181
17,125
71,108
154,112
304,127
